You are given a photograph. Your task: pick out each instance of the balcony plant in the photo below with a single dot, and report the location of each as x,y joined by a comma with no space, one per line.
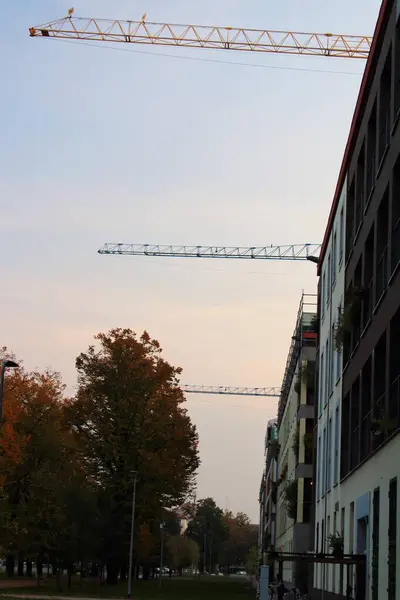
290,496
354,296
336,544
295,444
274,448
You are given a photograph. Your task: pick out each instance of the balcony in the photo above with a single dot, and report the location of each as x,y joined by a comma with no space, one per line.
394,403
371,176
368,303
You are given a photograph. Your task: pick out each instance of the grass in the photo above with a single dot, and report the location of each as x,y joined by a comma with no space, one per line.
172,589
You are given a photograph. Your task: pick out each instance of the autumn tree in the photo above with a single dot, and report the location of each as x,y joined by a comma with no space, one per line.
39,468
130,424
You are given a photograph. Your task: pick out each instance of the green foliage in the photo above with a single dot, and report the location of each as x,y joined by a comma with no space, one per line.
207,524
336,543
182,552
291,498
252,561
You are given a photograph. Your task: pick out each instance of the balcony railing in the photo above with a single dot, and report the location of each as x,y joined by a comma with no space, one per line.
381,275
365,445
355,457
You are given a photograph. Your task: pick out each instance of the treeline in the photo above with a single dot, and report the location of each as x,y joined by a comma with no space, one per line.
68,465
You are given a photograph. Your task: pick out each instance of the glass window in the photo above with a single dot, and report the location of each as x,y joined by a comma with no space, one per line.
341,236
328,280
334,251
338,353
337,442
321,384
326,393
323,295
329,469
332,362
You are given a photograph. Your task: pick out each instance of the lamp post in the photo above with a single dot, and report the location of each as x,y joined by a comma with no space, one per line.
132,535
5,364
162,524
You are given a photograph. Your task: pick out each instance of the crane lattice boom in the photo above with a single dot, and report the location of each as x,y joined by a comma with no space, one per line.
231,391
211,37
293,252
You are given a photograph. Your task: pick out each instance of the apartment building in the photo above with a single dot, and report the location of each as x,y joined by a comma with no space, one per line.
295,434
328,407
267,497
363,507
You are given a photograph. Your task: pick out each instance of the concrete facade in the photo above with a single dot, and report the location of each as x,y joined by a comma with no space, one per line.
295,426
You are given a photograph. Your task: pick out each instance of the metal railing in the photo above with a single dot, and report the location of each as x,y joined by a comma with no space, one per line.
395,253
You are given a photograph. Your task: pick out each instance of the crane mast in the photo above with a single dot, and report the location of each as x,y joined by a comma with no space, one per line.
270,392
202,36
290,252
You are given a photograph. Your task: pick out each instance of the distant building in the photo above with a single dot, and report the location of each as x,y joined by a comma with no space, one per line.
268,491
294,532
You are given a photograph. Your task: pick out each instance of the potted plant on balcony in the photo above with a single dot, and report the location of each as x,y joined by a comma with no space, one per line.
336,544
274,448
354,296
290,495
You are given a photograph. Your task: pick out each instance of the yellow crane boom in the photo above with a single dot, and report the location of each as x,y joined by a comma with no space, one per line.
202,36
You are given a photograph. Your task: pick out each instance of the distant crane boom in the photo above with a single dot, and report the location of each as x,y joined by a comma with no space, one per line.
271,392
292,252
201,36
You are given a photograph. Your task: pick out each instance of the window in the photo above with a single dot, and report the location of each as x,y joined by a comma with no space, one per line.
375,546
334,251
329,280
323,295
337,442
392,554
332,362
342,529
316,538
338,353
326,372
323,461
341,236
321,385
329,466
319,470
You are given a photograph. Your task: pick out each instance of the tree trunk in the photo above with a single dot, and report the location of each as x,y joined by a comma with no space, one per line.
58,578
94,570
69,572
146,573
20,570
112,573
39,568
10,565
29,567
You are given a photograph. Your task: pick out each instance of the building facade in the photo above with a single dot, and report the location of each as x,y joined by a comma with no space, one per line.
268,492
295,435
329,401
363,507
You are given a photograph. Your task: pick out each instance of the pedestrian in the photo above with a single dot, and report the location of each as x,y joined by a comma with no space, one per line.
280,588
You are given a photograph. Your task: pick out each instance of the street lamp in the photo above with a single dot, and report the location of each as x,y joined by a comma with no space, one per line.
5,364
162,525
132,535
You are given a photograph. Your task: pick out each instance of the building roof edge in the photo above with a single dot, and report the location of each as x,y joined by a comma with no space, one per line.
353,132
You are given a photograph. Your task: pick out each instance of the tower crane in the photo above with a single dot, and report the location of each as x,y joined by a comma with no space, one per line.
292,252
271,392
202,36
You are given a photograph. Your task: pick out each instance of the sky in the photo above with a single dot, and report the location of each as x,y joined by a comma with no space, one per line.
101,145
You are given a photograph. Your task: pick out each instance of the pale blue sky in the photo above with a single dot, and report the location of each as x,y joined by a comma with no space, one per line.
101,145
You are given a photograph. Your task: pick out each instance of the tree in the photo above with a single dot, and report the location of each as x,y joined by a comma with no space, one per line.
208,529
252,561
130,421
242,535
182,552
